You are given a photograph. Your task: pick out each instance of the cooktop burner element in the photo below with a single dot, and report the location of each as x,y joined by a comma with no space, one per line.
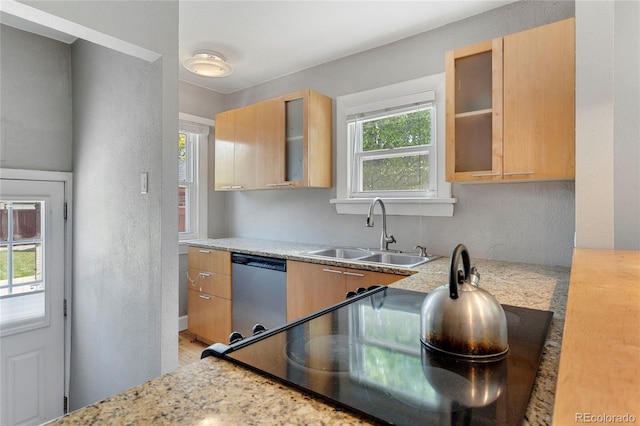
324,353
365,354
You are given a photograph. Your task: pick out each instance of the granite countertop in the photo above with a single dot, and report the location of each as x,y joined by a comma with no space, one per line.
216,392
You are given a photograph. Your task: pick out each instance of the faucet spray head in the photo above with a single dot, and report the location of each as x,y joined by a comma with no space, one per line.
369,222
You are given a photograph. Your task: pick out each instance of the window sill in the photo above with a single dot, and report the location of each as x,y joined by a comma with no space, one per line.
442,207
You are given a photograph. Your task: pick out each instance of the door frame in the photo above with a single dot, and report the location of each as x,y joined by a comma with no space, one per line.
67,179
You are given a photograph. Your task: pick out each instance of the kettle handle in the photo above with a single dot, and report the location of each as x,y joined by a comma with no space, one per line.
460,250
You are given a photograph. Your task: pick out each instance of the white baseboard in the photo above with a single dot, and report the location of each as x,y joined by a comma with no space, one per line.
183,323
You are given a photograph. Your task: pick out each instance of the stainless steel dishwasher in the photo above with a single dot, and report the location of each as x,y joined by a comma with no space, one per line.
259,292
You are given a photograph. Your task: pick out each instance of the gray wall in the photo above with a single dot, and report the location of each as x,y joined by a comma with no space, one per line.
36,102
205,103
125,258
607,125
525,222
117,116
627,125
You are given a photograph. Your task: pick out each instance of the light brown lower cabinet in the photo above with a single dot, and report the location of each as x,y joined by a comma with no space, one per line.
209,294
312,287
209,316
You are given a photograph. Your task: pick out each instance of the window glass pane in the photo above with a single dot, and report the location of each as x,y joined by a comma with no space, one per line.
22,286
399,173
4,221
182,157
26,220
396,131
4,267
27,267
183,219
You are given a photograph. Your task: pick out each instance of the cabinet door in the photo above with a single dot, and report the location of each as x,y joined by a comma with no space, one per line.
355,278
209,317
307,139
539,102
224,149
244,156
270,144
474,112
312,287
319,133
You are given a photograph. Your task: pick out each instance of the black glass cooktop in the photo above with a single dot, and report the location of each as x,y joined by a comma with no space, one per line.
365,354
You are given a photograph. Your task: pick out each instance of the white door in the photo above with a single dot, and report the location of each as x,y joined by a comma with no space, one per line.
32,247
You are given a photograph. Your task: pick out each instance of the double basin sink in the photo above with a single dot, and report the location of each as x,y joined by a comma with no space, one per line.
372,256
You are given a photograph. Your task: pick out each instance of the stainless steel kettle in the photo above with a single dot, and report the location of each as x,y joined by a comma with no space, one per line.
462,319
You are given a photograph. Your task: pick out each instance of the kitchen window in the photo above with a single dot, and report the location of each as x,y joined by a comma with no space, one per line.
390,144
394,152
192,179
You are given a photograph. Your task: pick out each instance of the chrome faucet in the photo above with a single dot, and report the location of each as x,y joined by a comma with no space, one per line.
385,239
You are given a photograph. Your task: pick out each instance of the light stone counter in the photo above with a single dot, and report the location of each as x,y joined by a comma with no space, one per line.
217,392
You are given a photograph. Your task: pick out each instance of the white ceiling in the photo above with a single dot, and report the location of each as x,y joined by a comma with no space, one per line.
264,40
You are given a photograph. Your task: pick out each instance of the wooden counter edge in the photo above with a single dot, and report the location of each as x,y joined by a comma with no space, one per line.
599,372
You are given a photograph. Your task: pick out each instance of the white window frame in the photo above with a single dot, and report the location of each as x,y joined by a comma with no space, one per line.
354,132
437,203
197,209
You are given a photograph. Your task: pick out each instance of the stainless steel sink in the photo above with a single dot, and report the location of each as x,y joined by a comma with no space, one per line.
341,253
372,256
397,259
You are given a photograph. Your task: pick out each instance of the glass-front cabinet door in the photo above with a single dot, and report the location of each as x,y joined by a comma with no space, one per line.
474,112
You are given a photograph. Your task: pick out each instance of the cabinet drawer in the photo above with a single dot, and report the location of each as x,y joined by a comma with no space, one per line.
209,283
210,260
356,278
209,317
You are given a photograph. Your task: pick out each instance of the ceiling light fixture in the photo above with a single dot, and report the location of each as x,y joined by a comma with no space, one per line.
208,63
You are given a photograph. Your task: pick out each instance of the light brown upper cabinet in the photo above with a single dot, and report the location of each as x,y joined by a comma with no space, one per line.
235,149
307,140
510,107
290,143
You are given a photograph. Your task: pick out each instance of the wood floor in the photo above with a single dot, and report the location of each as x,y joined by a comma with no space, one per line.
189,349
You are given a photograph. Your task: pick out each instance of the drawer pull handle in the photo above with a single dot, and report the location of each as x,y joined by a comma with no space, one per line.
205,251
355,274
204,275
202,296
332,271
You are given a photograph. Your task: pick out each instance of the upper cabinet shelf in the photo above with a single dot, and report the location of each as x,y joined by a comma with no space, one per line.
286,143
510,107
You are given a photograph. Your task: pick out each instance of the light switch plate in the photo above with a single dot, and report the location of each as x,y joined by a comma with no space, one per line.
144,183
